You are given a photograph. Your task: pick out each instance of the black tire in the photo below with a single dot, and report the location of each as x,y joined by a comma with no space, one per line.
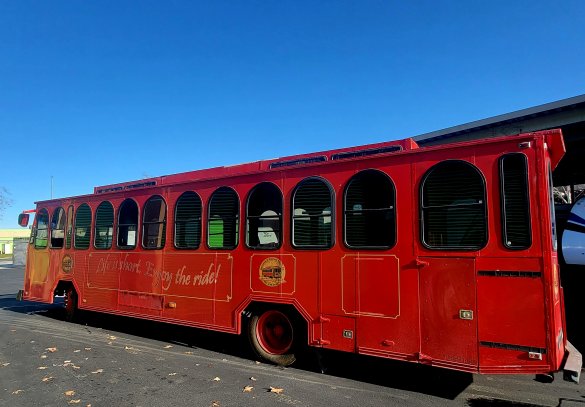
71,310
272,337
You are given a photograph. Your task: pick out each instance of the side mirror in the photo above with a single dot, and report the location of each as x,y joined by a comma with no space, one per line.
23,219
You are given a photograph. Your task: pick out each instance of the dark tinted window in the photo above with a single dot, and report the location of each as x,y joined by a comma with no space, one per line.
515,202
127,224
82,227
58,228
188,221
264,217
154,219
369,213
312,225
104,226
42,229
453,207
223,220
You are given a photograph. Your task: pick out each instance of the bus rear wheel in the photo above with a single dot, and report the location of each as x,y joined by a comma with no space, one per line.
271,334
71,310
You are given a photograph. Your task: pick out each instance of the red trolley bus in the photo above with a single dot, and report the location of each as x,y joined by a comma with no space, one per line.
441,255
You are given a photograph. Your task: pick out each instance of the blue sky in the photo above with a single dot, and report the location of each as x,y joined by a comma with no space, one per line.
97,92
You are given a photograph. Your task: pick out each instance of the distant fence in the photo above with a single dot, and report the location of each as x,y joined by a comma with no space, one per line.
19,251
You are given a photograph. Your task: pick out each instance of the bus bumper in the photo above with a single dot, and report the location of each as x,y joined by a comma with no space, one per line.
573,364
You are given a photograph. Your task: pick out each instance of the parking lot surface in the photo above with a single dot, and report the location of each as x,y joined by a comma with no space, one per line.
105,360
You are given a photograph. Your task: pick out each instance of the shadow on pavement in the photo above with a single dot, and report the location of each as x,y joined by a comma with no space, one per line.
382,372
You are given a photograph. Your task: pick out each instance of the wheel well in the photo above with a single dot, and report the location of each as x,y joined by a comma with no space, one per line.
62,287
257,308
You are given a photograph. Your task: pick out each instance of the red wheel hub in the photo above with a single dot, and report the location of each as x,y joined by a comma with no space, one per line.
275,332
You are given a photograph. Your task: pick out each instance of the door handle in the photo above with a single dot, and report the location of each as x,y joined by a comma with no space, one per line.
466,314
421,263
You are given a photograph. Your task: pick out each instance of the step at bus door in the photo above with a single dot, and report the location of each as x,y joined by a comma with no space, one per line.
448,312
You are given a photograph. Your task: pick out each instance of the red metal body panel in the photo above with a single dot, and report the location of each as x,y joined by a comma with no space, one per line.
480,311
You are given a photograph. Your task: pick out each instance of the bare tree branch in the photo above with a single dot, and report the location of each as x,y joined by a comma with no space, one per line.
5,200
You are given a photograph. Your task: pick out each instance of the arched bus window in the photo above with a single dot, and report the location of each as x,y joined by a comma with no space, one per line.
188,221
516,231
264,217
223,221
69,235
42,229
453,208
369,211
58,228
82,227
154,218
104,226
312,226
127,224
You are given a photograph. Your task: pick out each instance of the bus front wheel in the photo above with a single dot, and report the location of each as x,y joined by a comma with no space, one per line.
271,334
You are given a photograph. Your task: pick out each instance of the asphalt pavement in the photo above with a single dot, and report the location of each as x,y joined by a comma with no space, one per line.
106,360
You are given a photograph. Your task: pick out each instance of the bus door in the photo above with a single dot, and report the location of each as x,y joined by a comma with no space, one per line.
448,316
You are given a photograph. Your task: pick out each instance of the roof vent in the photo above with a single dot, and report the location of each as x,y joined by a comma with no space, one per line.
366,152
300,161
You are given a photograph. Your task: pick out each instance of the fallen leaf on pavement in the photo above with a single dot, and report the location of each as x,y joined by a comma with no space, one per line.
276,390
70,393
5,364
215,404
52,350
253,378
172,374
77,350
43,356
216,379
248,389
188,353
87,348
257,362
112,337
48,378
67,361
98,371
75,401
42,367
168,346
17,391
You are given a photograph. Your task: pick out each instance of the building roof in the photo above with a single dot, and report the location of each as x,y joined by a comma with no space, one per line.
12,233
503,120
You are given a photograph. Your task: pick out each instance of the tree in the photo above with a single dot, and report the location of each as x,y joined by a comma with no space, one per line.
5,200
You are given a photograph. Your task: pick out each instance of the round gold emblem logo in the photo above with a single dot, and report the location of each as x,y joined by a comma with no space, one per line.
272,272
67,264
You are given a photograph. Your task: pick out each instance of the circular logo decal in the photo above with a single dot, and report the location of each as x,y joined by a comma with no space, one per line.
67,263
272,272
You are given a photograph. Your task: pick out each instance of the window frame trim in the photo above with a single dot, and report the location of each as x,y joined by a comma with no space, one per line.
503,197
175,222
239,218
36,230
333,214
164,222
117,223
50,244
393,209
280,218
422,210
95,226
89,227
